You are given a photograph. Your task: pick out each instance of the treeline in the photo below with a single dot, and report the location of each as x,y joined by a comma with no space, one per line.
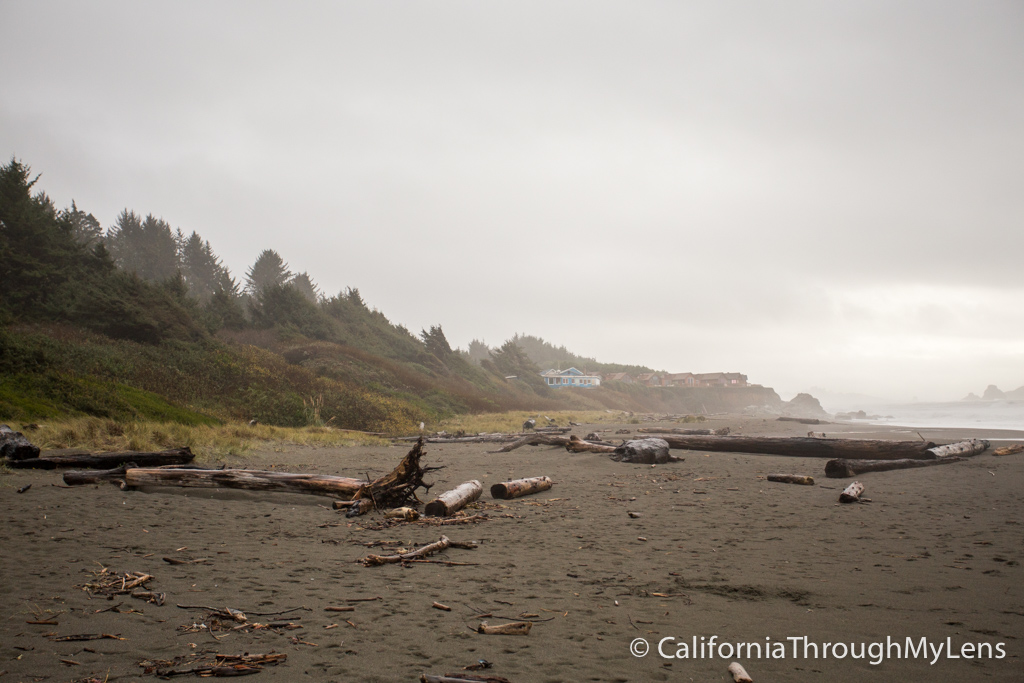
545,355
141,282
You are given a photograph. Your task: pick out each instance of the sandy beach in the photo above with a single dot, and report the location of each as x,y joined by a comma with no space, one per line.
713,550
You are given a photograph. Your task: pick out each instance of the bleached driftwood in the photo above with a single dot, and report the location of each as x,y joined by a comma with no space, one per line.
961,448
851,494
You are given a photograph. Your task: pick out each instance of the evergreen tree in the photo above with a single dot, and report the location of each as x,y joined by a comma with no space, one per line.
203,271
306,287
268,270
145,247
436,343
84,227
478,351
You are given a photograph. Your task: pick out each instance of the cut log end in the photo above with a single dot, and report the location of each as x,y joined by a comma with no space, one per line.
851,494
520,487
739,674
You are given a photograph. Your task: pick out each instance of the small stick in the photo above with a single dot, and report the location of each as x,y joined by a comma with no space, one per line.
439,606
339,609
792,479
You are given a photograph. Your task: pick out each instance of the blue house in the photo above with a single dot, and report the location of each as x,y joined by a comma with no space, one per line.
570,378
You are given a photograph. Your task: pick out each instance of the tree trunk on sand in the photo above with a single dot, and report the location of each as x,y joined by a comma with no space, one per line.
851,494
392,490
49,461
534,440
14,445
452,501
1009,450
520,487
577,445
802,447
963,448
841,468
249,480
686,432
792,479
643,451
77,478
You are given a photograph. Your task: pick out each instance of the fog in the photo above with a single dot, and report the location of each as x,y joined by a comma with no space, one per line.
813,194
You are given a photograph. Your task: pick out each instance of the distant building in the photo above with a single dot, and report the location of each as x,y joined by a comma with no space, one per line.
681,379
570,378
720,379
650,379
623,377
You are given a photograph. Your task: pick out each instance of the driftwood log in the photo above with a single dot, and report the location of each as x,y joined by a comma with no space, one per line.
14,445
643,451
577,445
792,479
1009,450
962,448
803,420
53,459
534,440
520,487
841,468
851,494
394,489
688,432
450,502
802,447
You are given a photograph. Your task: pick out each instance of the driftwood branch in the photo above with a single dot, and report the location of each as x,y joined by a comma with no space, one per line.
687,432
418,554
577,445
534,440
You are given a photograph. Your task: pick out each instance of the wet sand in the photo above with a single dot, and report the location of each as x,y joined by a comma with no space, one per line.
938,554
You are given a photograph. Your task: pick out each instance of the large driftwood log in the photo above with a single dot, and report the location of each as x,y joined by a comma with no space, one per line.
534,440
14,445
452,501
577,445
249,480
81,478
962,448
688,432
1009,450
643,451
51,460
802,447
392,490
841,468
520,487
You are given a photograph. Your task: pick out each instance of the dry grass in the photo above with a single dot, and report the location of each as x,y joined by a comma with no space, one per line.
513,421
98,434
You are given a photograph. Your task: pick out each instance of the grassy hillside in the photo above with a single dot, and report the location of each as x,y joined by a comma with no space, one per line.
160,332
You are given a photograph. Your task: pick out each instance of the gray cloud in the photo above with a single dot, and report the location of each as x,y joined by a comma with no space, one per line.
815,194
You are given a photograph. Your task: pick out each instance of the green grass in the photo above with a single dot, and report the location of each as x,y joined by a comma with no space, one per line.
206,440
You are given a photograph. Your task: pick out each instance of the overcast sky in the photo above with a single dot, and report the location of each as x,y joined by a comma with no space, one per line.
813,193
